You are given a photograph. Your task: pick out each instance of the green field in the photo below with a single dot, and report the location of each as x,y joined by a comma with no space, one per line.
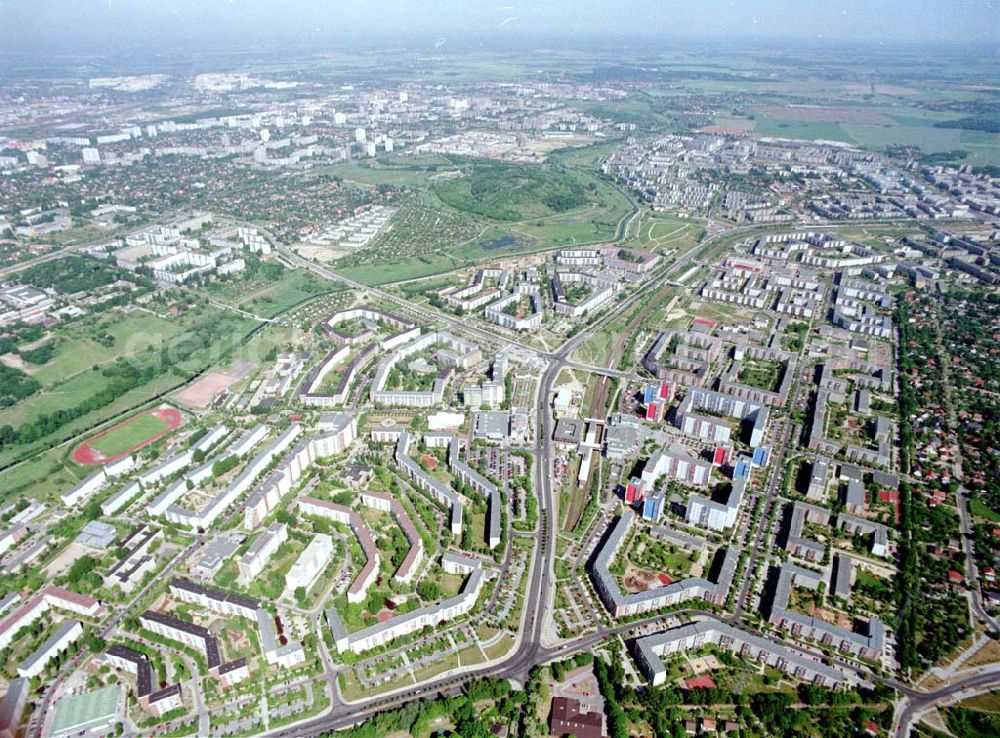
981,510
429,236
143,358
73,375
399,171
267,298
60,396
43,476
908,126
586,157
77,348
133,432
655,232
761,373
800,129
510,192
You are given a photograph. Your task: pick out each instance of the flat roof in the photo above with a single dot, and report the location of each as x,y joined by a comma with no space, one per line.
96,534
85,711
216,553
650,647
218,595
274,529
492,424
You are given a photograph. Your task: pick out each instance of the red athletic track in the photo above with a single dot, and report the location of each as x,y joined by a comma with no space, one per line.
87,455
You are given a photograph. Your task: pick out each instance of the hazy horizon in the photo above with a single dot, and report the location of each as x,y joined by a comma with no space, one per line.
104,26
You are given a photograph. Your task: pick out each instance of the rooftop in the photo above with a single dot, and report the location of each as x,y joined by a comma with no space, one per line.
97,709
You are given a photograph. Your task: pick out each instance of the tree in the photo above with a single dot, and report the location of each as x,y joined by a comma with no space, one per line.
286,517
429,591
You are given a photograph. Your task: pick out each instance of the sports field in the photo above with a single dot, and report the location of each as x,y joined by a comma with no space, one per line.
128,436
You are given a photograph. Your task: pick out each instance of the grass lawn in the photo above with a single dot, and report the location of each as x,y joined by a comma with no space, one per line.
69,379
375,274
268,299
719,311
438,667
42,477
80,234
350,687
915,128
430,236
654,231
64,395
761,373
981,510
985,702
134,431
866,578
588,157
661,556
410,171
76,349
477,529
806,129
471,656
596,350
72,376
451,585
502,646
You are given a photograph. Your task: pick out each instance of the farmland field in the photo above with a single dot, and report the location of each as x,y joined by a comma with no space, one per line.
887,126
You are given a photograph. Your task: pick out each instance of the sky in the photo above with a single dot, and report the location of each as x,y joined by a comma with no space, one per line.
103,25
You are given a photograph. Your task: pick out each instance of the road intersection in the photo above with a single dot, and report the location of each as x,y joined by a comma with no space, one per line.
530,646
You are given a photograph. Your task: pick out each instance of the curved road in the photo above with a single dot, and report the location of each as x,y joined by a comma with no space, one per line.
918,702
529,650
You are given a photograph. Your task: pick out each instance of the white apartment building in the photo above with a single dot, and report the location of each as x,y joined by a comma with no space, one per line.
310,563
252,563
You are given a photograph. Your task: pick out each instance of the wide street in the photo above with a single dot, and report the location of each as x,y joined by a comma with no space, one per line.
530,647
530,650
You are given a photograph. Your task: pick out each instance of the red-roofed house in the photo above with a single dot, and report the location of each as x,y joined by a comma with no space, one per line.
567,719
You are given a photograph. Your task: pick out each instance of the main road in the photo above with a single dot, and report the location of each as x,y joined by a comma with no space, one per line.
530,649
916,703
663,276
